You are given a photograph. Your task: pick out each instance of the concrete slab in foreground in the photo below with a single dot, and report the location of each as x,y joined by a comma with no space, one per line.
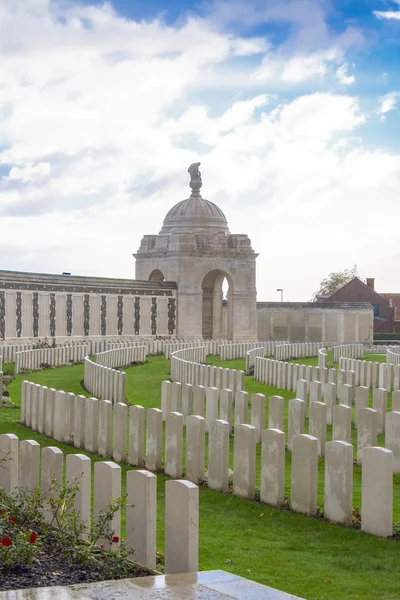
205,585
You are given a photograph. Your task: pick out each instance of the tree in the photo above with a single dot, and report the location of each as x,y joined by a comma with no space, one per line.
335,281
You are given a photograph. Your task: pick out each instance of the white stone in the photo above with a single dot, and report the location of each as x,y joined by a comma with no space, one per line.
377,491
258,414
141,516
244,471
338,501
304,485
366,431
195,447
181,527
136,436
272,490
173,444
107,487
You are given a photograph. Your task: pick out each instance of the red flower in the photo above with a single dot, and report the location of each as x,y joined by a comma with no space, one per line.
6,541
115,540
12,519
102,547
32,537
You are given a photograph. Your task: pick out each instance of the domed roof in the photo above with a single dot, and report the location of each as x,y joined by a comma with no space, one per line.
195,215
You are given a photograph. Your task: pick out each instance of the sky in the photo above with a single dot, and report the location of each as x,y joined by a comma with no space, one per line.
291,106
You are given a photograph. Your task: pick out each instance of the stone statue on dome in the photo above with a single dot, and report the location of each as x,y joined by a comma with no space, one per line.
195,177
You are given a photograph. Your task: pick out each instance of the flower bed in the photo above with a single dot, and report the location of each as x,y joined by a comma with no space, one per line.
44,543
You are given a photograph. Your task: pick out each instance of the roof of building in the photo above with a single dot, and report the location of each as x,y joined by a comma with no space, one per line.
324,305
21,280
394,300
196,214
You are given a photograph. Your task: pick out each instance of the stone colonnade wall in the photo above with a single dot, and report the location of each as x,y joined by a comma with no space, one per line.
29,467
333,323
348,351
35,305
185,368
106,426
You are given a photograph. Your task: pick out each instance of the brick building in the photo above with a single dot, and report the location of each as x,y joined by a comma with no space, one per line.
383,304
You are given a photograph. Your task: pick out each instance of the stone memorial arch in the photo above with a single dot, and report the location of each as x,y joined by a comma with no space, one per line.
196,250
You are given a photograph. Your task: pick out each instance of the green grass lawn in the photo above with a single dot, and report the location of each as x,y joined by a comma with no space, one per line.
304,556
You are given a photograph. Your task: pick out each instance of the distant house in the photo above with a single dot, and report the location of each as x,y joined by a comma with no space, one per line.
384,304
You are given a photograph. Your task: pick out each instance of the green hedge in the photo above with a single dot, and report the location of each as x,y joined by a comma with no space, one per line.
386,336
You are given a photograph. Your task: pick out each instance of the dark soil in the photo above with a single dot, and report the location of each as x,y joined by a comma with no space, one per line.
52,568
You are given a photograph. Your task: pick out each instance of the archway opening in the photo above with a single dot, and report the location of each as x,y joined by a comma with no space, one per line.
156,275
217,313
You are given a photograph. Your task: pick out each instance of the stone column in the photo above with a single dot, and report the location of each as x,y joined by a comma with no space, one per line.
244,471
141,516
304,474
377,491
338,502
272,485
218,455
181,527
366,431
195,447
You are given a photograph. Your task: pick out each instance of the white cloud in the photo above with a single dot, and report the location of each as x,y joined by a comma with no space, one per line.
388,14
388,102
101,120
343,76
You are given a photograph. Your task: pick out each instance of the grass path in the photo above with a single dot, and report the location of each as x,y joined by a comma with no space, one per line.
304,556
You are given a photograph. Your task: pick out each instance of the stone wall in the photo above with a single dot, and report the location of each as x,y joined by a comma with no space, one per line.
335,323
37,305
